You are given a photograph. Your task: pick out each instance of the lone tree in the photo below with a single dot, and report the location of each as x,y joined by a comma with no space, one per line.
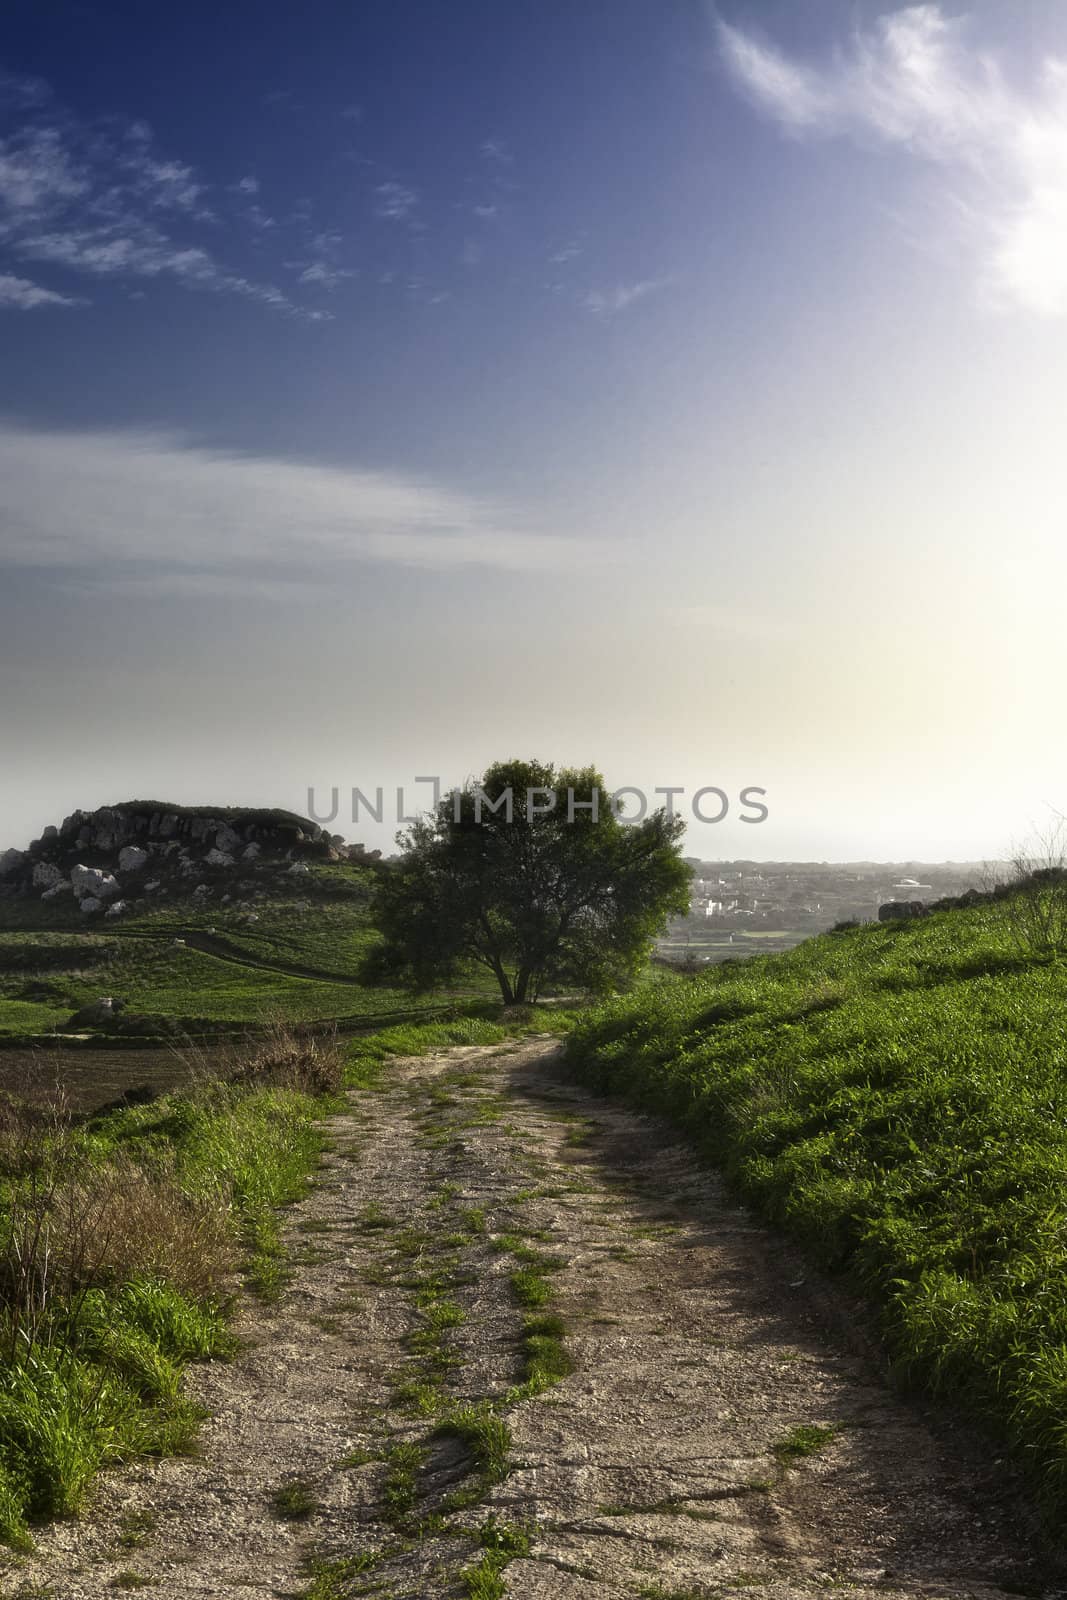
531,873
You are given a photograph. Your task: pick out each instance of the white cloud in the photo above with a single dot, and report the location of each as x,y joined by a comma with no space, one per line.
610,302
152,510
23,295
325,275
496,152
99,198
915,82
247,185
396,202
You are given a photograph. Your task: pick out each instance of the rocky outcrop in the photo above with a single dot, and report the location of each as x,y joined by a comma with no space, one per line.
142,848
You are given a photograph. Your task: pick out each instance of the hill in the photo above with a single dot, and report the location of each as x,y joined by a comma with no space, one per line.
142,920
895,1095
114,860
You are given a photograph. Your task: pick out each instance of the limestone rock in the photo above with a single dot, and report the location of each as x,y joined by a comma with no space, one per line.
93,881
46,875
132,858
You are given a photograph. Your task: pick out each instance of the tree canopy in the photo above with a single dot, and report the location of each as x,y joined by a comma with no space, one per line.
531,873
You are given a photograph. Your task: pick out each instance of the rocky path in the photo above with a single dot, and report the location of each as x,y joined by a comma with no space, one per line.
530,1350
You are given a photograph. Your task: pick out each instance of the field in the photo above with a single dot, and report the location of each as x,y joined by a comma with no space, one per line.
896,1097
199,971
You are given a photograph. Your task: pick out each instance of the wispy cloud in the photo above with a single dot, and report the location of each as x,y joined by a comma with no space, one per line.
22,295
158,512
610,302
100,199
916,82
395,202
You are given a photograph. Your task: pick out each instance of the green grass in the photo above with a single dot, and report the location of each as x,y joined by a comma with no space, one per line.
806,1440
95,1376
486,1438
896,1097
294,1501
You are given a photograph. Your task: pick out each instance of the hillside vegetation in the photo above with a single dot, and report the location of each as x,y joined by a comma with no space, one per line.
896,1096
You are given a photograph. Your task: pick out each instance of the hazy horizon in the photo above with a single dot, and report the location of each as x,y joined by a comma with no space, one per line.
389,391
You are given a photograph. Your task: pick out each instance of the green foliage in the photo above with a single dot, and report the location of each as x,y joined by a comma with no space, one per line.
537,898
896,1096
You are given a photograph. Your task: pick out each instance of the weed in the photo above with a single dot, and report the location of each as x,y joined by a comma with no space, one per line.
295,1501
806,1440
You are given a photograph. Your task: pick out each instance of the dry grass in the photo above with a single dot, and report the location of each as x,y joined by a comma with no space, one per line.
61,1236
287,1058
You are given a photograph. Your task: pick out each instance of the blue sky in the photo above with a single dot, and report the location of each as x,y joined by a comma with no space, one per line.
388,388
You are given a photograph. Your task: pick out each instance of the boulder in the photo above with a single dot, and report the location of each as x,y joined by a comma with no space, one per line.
227,838
46,875
132,858
93,881
299,869
55,892
251,852
89,905
116,908
218,858
50,834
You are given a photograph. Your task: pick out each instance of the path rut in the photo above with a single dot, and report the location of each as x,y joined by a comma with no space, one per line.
726,1429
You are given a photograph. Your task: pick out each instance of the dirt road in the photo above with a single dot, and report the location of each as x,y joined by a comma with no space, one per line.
403,1422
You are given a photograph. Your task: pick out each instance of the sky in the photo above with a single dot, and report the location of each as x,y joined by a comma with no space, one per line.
390,389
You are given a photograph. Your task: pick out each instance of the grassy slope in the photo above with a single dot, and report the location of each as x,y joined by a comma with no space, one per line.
897,1097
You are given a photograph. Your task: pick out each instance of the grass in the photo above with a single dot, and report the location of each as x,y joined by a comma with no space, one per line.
404,1460
806,1440
896,1097
294,1501
485,1436
118,1240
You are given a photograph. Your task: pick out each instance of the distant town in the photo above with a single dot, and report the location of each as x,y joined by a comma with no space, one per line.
738,908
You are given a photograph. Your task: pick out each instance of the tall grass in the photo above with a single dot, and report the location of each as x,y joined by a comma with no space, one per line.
119,1244
896,1097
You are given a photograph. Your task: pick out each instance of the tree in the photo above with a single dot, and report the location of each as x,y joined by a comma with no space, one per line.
531,873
